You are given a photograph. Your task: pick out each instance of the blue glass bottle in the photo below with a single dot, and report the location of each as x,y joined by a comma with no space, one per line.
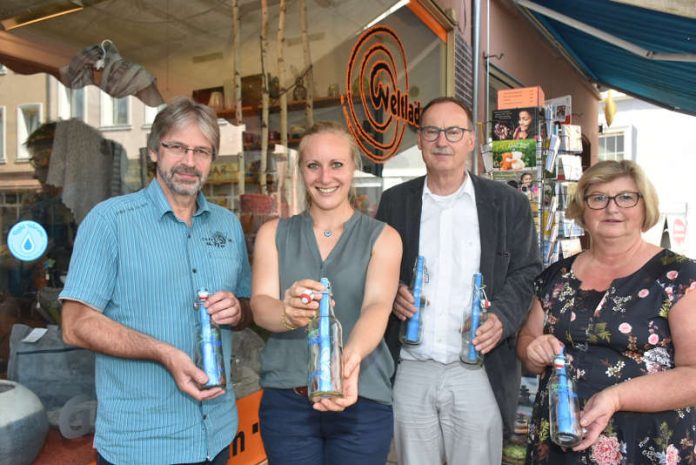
411,331
468,353
208,356
564,410
325,341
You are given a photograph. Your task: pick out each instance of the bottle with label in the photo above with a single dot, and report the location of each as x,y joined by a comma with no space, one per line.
208,356
325,341
479,304
564,410
412,329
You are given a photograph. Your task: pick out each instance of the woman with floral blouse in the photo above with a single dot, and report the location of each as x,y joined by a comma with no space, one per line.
625,311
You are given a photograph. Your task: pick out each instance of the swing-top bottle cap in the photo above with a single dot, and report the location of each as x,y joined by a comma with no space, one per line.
327,285
202,293
559,360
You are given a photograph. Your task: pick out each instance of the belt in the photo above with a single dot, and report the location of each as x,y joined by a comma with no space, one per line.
300,391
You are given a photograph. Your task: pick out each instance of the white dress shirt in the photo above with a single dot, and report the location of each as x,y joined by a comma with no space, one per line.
450,243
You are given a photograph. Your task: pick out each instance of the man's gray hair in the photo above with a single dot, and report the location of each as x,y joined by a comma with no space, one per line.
179,112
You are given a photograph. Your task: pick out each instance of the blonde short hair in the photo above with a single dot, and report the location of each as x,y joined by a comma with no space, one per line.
607,171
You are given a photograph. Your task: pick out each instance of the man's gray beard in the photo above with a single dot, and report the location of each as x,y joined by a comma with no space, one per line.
180,188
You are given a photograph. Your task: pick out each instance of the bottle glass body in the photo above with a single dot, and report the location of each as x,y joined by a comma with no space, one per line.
468,353
411,331
564,409
325,341
208,355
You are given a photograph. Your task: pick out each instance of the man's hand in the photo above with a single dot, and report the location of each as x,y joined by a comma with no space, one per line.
187,376
404,303
224,308
488,334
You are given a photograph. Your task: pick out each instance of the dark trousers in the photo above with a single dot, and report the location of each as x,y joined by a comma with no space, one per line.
294,433
220,459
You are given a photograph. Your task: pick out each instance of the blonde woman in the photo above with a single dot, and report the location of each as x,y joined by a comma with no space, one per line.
361,257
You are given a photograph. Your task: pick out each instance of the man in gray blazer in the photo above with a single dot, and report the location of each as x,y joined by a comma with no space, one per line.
445,410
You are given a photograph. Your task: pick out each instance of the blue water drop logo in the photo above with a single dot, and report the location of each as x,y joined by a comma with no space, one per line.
28,244
27,241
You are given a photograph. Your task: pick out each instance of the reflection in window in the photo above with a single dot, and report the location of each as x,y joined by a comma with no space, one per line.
11,205
28,120
611,146
151,113
114,110
71,103
2,135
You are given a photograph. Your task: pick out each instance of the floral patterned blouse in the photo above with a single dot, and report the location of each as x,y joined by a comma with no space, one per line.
611,337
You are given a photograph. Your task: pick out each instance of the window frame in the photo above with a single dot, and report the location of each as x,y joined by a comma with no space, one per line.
3,134
66,104
149,114
629,149
106,112
22,154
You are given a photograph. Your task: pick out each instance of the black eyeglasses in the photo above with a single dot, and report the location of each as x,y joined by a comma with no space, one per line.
180,150
452,133
622,199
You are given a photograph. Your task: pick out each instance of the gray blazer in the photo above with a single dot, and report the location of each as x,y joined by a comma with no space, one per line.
509,262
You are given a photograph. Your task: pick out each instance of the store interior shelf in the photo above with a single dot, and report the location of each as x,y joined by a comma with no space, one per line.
293,105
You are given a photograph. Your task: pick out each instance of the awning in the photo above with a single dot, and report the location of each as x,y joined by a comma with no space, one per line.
642,52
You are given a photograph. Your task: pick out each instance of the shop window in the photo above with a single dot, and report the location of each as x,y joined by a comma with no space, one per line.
115,111
71,103
28,120
2,135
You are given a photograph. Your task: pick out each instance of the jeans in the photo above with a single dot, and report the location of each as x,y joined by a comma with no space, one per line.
294,433
220,459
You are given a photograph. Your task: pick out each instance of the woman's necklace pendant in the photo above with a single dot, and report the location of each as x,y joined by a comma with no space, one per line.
328,233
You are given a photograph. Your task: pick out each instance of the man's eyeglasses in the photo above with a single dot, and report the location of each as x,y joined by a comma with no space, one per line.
452,133
623,200
180,150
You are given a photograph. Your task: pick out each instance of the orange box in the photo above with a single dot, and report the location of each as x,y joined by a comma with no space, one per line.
247,447
521,97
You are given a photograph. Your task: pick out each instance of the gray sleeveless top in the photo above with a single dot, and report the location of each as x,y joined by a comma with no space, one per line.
284,359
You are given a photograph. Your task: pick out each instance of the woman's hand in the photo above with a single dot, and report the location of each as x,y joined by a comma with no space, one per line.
300,303
351,372
596,415
542,350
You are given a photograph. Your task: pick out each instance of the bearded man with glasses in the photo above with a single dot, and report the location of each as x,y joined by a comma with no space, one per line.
137,264
444,409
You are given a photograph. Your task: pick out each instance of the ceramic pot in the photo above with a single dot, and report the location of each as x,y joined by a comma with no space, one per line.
23,424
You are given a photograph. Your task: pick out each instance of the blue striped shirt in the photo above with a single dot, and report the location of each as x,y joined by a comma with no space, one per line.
137,263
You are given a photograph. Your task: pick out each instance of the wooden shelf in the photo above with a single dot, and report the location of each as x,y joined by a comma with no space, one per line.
293,105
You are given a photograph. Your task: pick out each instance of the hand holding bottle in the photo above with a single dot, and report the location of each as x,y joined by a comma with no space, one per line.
542,350
187,376
300,303
404,304
596,415
351,373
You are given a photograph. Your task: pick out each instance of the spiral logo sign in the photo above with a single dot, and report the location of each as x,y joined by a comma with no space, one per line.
377,106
